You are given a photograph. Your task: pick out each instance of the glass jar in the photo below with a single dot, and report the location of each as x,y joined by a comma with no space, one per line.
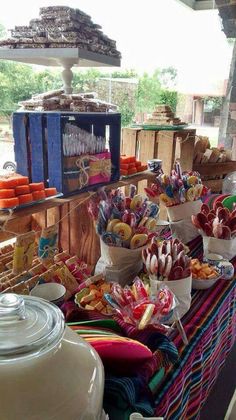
47,371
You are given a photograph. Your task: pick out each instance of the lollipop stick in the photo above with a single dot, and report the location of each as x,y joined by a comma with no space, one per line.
180,328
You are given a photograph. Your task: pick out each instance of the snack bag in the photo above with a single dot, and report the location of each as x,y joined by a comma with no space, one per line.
48,244
23,252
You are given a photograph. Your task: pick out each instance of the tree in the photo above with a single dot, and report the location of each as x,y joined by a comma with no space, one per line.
3,31
148,92
152,90
126,74
168,78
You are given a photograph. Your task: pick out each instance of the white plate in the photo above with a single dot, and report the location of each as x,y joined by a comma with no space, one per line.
202,284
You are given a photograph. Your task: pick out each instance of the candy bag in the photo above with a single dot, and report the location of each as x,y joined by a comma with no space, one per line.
23,252
48,244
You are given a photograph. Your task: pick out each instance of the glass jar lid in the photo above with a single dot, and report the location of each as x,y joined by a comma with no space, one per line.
28,326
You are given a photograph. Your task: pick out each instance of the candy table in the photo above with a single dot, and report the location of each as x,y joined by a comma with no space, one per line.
181,391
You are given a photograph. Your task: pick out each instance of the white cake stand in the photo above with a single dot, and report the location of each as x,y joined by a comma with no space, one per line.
63,57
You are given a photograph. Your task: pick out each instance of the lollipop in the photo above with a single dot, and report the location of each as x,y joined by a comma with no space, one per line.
123,230
138,240
136,202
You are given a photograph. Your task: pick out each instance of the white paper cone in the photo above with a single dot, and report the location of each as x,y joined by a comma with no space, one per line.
224,247
182,291
184,211
119,264
184,230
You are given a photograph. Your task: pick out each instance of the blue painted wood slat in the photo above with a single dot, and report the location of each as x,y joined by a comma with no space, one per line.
55,151
20,121
38,157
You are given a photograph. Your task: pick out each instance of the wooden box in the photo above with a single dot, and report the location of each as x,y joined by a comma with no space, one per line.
165,145
39,144
212,174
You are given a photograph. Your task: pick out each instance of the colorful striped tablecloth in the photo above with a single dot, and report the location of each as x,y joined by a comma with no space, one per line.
210,326
179,392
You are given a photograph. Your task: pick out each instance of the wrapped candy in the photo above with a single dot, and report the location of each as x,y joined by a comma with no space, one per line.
124,221
178,188
135,305
48,244
23,252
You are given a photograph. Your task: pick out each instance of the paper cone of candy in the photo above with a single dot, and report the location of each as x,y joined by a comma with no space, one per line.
125,225
218,229
181,194
167,264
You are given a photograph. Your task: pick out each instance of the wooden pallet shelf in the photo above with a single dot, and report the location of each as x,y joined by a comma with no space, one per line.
76,229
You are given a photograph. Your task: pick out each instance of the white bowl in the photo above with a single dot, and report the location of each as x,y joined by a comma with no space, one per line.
53,292
202,284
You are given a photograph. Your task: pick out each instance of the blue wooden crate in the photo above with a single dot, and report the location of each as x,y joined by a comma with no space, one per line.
38,143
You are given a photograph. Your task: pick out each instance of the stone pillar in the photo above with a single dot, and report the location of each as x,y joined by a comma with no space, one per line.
227,130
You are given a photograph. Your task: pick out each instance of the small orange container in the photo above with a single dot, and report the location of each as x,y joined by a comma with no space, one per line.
124,159
25,198
8,183
38,195
124,166
37,186
131,165
132,171
9,202
7,193
22,189
22,180
50,191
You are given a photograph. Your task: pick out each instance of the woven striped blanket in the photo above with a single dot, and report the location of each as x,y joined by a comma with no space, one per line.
210,326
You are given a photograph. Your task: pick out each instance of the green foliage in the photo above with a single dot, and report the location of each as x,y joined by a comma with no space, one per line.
127,113
148,92
3,31
86,81
214,102
126,74
168,77
151,92
169,98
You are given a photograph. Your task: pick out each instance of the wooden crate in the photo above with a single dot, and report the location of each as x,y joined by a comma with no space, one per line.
39,149
164,145
212,174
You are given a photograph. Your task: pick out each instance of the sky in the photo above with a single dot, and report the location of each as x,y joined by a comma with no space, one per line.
150,34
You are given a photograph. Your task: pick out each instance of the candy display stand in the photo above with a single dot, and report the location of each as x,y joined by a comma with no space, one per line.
62,57
76,229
